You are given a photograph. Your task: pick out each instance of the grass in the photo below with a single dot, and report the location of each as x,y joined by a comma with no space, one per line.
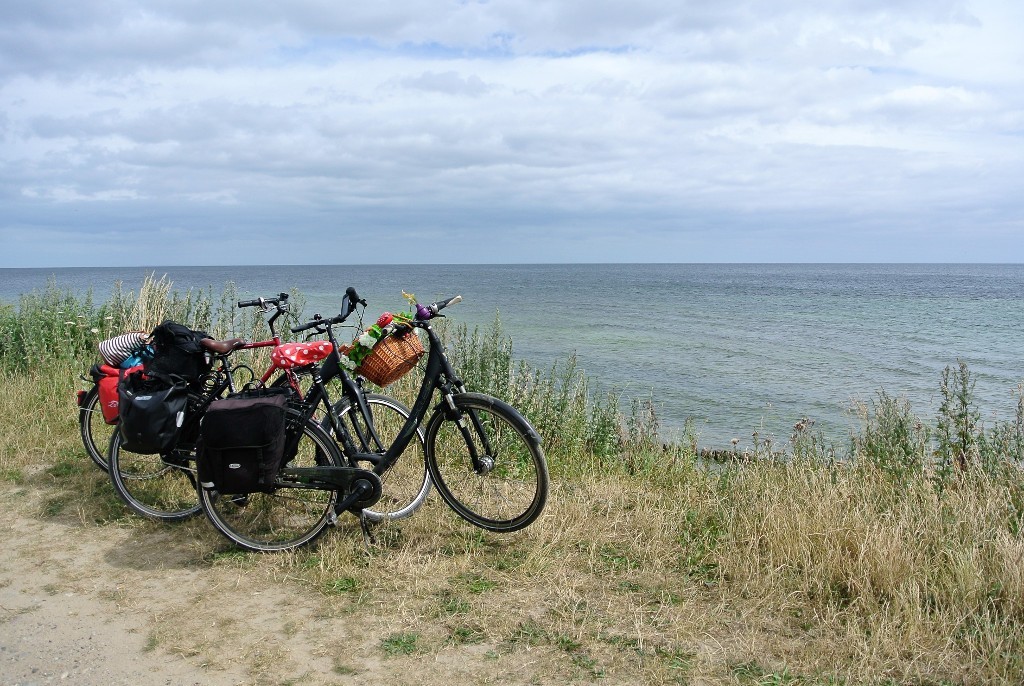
894,559
400,644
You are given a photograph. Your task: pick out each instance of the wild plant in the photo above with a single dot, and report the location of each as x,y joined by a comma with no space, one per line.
484,357
49,326
810,445
643,426
959,429
892,438
1006,438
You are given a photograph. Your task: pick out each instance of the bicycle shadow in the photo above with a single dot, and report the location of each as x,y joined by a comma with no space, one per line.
155,548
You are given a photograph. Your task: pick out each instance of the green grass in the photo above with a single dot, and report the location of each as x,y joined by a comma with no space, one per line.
400,644
342,585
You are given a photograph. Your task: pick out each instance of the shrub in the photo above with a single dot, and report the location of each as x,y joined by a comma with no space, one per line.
893,439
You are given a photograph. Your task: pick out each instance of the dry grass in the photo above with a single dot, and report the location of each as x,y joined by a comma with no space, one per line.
646,567
761,574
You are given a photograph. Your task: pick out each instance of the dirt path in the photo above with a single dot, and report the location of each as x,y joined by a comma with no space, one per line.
137,603
134,604
64,615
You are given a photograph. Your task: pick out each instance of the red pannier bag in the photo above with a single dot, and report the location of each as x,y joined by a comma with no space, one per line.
106,378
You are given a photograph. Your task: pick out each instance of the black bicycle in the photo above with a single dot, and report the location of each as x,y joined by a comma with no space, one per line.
482,455
165,486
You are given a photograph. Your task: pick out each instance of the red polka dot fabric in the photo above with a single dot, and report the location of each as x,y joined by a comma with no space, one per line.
291,355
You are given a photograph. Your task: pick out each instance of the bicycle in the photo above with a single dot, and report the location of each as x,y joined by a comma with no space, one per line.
165,487
482,455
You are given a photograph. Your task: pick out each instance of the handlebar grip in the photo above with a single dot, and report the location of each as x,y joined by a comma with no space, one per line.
425,312
303,327
262,302
438,306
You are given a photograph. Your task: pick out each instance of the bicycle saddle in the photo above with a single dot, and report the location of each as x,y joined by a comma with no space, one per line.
222,347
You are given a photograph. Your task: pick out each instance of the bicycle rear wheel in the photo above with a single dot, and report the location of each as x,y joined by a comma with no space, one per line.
161,487
288,517
506,488
407,484
95,431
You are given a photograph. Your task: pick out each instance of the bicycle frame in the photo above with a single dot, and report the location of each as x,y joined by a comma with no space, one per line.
439,375
366,432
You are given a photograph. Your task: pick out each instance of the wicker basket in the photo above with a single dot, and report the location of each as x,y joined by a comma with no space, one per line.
391,359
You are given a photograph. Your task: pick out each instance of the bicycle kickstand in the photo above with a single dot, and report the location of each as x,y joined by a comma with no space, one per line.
364,524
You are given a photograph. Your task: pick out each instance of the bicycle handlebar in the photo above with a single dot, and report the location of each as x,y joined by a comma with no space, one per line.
430,311
318,321
263,302
348,305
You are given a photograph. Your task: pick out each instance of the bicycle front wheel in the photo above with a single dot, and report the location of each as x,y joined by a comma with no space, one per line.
406,484
287,517
161,487
491,470
95,431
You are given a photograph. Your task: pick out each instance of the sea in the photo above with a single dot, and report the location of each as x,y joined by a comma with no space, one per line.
731,349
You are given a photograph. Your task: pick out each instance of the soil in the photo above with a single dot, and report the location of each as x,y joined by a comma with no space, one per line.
63,619
131,603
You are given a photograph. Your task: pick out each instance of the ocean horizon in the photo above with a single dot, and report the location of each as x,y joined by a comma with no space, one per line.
733,348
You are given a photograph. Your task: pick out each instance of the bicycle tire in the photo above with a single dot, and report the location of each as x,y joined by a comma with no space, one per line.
286,518
94,429
406,484
509,495
160,487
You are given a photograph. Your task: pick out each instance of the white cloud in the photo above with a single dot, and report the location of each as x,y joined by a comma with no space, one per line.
566,117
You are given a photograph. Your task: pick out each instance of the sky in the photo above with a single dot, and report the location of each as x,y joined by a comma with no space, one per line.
179,132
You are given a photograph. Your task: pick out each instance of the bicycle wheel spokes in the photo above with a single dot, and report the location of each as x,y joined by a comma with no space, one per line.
155,487
507,489
286,518
406,485
271,520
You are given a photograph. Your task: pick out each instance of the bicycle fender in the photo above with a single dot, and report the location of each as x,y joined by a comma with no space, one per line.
454,413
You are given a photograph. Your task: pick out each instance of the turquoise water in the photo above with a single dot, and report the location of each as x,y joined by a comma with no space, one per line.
737,348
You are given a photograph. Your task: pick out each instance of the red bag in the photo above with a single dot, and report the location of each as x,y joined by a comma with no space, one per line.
109,394
107,384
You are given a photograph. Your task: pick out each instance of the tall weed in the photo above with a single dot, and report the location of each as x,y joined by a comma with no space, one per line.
49,326
892,438
959,431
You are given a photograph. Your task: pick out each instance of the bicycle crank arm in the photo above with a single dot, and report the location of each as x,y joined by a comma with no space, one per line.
365,493
358,488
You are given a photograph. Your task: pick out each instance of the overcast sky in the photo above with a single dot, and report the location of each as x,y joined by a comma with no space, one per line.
326,132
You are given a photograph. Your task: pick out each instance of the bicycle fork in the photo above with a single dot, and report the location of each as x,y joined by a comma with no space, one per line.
482,464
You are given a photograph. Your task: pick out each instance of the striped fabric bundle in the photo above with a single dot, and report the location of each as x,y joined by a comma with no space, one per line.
116,350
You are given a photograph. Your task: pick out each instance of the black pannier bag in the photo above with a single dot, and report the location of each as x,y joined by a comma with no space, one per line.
151,412
242,443
177,351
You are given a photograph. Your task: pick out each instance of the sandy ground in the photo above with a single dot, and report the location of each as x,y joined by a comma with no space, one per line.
61,621
92,605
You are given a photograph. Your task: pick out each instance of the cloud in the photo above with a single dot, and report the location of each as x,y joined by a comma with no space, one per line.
577,128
